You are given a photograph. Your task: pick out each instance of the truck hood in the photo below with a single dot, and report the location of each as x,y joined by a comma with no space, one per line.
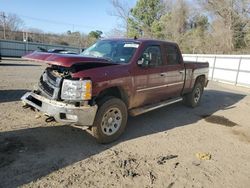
65,60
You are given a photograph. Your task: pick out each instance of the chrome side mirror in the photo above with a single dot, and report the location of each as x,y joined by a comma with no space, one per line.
143,61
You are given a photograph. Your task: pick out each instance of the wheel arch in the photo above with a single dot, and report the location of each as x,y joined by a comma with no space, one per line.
114,91
200,78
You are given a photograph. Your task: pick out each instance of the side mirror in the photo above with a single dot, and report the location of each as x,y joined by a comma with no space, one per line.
143,61
140,62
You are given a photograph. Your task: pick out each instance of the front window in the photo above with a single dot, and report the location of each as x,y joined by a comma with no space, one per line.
115,51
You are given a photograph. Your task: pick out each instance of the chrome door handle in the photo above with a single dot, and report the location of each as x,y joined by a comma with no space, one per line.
163,74
182,71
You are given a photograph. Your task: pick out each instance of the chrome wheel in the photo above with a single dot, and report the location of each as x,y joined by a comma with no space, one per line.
197,95
111,121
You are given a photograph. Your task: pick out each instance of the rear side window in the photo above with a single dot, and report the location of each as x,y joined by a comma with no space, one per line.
173,56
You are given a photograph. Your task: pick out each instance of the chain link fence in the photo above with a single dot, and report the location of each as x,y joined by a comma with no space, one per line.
68,39
10,48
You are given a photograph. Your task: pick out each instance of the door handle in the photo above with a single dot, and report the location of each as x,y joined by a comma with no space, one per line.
163,74
182,71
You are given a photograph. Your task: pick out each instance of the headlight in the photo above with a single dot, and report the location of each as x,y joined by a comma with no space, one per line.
76,90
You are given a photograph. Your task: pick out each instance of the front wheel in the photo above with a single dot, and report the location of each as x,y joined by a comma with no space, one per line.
193,99
110,121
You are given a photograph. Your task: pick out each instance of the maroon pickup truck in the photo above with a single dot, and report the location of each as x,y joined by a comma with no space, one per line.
114,78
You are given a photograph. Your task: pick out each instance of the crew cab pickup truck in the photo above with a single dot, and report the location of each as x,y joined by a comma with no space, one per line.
112,79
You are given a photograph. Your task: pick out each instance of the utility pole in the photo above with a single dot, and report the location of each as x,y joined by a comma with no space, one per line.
4,17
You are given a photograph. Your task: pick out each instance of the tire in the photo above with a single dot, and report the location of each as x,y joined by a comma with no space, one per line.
110,121
193,99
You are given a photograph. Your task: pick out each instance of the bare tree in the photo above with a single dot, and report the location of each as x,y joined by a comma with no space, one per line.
175,21
14,23
10,23
229,21
3,24
117,33
121,11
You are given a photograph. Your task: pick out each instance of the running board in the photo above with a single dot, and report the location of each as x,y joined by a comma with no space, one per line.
142,110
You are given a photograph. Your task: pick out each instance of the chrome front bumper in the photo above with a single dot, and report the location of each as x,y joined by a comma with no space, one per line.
62,112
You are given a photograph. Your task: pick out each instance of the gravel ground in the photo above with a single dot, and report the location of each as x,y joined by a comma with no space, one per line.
175,146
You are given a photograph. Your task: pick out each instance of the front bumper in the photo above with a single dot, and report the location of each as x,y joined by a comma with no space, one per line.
62,112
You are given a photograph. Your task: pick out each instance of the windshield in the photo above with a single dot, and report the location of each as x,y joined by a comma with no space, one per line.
115,51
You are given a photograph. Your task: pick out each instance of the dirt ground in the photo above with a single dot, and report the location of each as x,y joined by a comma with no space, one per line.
163,148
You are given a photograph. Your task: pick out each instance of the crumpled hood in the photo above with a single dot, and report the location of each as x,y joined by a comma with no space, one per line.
65,60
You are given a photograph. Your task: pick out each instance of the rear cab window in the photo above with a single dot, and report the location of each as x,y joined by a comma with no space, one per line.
172,54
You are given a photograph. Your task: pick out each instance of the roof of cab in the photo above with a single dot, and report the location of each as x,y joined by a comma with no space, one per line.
140,40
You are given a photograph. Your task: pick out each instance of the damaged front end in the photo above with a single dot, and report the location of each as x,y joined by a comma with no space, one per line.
62,97
51,81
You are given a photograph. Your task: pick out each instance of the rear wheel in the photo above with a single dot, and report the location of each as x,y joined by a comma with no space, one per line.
110,121
193,99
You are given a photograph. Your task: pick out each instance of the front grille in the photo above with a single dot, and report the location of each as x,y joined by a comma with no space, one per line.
51,76
46,88
50,84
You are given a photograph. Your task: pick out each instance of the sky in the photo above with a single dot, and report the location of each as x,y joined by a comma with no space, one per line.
59,16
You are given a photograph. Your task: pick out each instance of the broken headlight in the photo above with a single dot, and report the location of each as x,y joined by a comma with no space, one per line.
76,90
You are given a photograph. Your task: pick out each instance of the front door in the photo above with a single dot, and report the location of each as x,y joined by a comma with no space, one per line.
150,78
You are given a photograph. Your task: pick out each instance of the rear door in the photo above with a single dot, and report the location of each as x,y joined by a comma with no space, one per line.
175,70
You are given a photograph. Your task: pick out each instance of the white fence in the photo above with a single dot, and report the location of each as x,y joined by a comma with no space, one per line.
9,48
234,69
